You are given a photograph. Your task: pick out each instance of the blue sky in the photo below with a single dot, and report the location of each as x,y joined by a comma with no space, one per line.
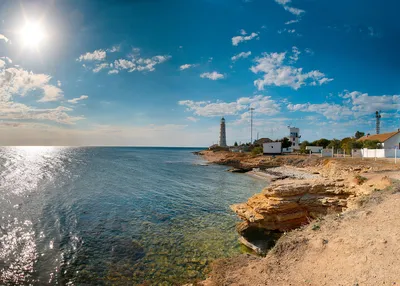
162,73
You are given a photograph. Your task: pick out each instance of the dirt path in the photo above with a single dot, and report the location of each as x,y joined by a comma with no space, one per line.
359,247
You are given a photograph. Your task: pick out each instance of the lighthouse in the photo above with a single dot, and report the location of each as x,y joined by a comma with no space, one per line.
222,133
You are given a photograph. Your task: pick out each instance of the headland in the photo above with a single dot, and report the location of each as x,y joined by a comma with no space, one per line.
336,218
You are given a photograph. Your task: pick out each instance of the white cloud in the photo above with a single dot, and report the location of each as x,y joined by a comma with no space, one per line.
289,31
114,49
294,11
213,75
136,50
295,54
241,55
148,64
7,59
355,105
261,104
140,64
308,51
51,93
97,55
185,66
18,111
329,110
191,118
278,74
242,32
123,64
238,39
75,100
101,66
17,81
2,64
113,72
363,104
292,22
2,37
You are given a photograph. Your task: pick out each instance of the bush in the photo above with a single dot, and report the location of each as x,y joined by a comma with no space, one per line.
257,150
360,179
372,144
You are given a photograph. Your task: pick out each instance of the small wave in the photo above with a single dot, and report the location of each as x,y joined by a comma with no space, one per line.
176,162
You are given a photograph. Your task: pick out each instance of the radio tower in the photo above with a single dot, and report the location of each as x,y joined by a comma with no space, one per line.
251,125
378,122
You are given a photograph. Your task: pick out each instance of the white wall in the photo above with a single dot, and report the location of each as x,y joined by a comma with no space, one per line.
392,142
314,149
326,153
357,153
272,148
380,153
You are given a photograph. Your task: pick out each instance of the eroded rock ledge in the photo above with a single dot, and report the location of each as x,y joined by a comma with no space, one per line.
291,203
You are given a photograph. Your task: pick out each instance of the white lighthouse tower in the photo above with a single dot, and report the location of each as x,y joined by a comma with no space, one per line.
222,133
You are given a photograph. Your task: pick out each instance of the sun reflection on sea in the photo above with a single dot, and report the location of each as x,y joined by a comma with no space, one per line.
23,170
26,166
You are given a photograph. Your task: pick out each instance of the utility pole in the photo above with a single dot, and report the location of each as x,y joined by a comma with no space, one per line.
251,125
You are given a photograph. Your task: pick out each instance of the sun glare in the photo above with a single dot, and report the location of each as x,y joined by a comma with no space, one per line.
32,34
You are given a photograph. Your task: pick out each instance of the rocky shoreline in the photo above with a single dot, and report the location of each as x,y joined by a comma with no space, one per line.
303,189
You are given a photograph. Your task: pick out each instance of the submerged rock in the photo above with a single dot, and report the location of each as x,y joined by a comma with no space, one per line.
126,249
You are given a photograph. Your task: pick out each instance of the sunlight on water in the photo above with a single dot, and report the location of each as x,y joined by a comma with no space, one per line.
24,167
96,216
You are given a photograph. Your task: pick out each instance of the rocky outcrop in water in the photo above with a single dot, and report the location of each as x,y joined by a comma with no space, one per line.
291,203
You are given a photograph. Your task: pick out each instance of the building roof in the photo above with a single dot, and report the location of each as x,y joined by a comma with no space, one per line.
380,137
263,140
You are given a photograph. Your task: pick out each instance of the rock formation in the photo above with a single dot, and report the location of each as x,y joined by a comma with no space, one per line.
291,203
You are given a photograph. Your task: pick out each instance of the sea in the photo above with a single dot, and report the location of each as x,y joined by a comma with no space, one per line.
115,215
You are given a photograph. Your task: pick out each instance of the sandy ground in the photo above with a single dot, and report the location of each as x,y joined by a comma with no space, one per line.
280,172
358,247
299,161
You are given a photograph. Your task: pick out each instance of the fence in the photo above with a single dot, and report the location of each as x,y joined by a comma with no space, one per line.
333,153
380,153
362,153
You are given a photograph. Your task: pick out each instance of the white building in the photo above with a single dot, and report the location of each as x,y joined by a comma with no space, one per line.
272,148
314,149
294,137
389,140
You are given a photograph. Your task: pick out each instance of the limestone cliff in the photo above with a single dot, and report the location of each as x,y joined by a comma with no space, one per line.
289,204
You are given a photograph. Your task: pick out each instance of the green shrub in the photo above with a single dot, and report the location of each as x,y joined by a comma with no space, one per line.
257,150
360,179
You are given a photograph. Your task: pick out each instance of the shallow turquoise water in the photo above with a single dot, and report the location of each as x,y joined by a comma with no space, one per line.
94,216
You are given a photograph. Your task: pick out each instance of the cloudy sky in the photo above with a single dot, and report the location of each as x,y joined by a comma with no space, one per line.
163,72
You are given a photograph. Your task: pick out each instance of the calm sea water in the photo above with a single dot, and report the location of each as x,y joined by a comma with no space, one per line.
102,216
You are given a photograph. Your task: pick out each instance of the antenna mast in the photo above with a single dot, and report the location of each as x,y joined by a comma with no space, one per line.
378,122
251,125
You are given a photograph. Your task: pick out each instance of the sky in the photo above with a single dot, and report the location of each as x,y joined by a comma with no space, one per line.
164,72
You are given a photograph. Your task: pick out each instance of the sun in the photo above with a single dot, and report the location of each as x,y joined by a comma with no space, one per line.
32,34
